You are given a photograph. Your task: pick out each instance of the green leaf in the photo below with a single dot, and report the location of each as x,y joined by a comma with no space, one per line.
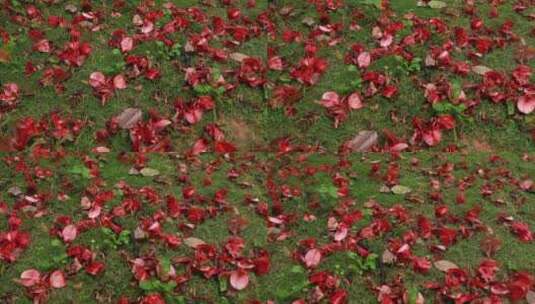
147,285
510,109
175,299
124,237
297,269
56,243
456,88
223,285
202,89
329,190
352,68
80,170
108,231
371,262
169,286
165,264
413,294
439,107
376,3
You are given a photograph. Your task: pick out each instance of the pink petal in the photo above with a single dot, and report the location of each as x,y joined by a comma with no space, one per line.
30,277
119,82
200,146
69,233
127,44
43,46
312,258
354,101
340,234
275,63
386,41
147,27
432,137
364,59
330,99
97,79
94,212
526,104
526,185
239,279
57,279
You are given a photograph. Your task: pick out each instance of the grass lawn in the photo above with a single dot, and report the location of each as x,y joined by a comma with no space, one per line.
268,151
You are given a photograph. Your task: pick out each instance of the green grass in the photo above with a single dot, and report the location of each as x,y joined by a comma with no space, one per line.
253,126
287,279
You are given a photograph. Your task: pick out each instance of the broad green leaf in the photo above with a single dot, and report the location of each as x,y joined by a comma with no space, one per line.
80,170
147,285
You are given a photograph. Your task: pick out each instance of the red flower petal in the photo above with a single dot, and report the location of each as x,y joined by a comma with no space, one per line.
42,46
95,268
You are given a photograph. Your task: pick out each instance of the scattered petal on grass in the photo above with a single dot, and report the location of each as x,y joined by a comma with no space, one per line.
239,279
312,258
364,60
355,101
119,82
69,233
526,104
57,279
30,277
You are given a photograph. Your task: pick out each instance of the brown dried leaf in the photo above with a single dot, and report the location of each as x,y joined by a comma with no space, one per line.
308,21
239,57
363,142
71,8
445,265
193,242
129,118
5,57
530,297
490,245
388,257
481,69
149,172
524,54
